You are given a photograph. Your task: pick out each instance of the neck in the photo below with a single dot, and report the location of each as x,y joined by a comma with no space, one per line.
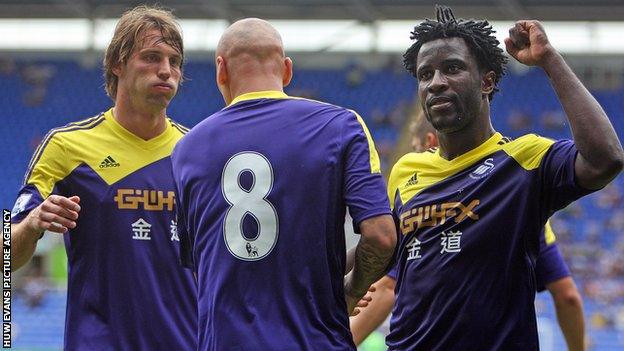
253,84
144,123
457,143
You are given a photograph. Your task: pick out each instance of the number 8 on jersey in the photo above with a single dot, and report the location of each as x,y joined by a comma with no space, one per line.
250,202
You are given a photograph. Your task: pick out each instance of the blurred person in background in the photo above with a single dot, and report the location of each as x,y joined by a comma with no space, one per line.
35,285
105,182
551,272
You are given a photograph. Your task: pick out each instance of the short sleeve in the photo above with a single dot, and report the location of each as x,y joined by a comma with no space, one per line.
364,186
186,240
549,266
47,167
393,272
558,177
186,244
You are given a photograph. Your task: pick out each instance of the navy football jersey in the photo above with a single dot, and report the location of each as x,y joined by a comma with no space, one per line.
549,265
469,236
263,187
126,289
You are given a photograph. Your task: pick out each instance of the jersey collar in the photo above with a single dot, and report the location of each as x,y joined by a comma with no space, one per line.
133,139
486,148
267,94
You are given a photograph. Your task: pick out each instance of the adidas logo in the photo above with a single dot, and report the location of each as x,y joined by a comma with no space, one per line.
413,180
109,162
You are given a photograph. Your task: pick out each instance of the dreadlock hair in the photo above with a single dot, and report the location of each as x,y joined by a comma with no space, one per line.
478,35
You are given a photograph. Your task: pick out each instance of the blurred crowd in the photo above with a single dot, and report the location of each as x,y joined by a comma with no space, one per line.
590,234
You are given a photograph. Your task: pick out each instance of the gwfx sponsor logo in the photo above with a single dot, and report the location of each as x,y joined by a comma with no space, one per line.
150,200
433,215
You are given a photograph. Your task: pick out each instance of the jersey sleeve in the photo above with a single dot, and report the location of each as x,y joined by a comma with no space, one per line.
186,245
393,272
364,186
558,177
47,167
186,239
549,266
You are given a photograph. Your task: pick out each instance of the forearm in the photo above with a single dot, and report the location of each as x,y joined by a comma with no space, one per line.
594,136
569,307
372,316
370,263
572,325
350,260
23,244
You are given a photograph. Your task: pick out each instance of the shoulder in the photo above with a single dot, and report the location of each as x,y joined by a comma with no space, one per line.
52,159
65,136
414,160
406,169
313,103
322,107
344,120
528,150
178,128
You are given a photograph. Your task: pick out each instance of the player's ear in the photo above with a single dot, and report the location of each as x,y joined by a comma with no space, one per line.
288,71
488,83
431,140
117,69
222,74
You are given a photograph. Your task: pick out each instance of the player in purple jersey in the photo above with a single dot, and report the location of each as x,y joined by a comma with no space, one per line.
105,183
263,186
470,212
551,273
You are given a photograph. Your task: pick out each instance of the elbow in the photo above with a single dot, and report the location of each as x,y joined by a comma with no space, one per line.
613,167
382,242
610,167
569,299
618,164
380,233
387,240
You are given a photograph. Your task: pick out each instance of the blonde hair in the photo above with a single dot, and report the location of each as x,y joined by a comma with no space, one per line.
132,25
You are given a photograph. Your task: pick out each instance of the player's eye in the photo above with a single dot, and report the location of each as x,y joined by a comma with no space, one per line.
152,58
424,75
175,62
453,68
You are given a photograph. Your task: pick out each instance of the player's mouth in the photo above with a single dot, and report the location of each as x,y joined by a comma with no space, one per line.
440,103
163,86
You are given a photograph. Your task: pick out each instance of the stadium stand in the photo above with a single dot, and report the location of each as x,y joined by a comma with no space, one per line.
47,94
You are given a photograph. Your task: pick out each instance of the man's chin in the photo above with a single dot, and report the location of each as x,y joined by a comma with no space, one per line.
161,101
446,123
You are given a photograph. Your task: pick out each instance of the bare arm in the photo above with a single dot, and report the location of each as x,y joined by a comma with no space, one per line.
56,214
569,306
350,260
371,317
372,256
600,157
23,244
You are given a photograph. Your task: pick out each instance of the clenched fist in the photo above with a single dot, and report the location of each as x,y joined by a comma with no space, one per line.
528,43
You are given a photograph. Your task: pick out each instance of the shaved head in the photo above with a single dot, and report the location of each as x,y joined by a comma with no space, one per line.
250,57
251,37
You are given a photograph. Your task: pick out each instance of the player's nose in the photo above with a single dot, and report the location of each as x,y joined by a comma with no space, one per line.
164,70
438,82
